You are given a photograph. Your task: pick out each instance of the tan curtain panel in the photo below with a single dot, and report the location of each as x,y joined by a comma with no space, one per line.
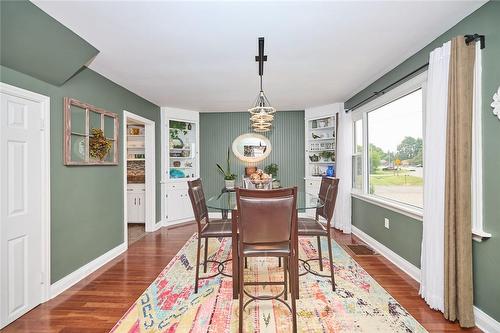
458,298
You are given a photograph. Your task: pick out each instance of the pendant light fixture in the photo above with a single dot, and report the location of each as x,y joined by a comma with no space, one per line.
262,113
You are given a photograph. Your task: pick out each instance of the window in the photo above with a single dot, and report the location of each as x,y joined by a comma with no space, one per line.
395,149
357,157
387,158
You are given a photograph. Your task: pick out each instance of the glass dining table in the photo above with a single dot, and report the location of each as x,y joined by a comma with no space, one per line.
226,202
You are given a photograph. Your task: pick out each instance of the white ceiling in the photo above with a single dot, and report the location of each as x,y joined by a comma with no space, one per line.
200,55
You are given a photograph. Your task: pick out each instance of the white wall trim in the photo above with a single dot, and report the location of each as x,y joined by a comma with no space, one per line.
486,323
178,223
401,263
45,169
150,166
87,269
401,208
478,232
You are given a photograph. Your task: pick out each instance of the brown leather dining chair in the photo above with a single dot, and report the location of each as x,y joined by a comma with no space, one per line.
313,227
206,229
266,224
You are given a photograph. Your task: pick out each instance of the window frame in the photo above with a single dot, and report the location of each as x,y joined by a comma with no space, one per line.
413,84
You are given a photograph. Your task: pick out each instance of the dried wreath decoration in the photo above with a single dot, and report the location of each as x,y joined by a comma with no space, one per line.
99,146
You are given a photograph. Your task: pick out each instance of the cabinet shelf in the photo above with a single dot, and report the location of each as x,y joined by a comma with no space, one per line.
322,139
321,162
319,150
322,128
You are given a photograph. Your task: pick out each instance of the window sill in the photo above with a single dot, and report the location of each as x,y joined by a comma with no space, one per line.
414,213
480,235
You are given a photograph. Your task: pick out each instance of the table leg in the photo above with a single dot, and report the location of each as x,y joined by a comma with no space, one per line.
234,252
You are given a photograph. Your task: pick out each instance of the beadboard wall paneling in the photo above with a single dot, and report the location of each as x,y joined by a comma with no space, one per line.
218,131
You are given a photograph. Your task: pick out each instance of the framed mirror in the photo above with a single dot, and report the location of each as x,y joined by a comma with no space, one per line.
251,147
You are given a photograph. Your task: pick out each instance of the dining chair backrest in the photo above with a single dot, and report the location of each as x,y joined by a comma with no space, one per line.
329,202
266,216
325,184
197,197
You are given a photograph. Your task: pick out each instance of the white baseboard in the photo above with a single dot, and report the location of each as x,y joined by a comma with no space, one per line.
177,223
396,259
69,280
157,226
483,321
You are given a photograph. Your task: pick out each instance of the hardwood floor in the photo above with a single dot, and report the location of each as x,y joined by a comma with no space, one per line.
96,303
135,232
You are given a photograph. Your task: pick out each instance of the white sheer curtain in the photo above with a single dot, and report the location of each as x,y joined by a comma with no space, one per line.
342,213
432,259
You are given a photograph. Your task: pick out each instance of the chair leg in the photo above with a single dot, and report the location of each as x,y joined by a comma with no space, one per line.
294,296
197,270
241,286
320,254
330,254
285,275
206,255
246,262
279,261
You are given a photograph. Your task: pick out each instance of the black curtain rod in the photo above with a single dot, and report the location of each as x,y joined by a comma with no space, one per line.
468,39
383,91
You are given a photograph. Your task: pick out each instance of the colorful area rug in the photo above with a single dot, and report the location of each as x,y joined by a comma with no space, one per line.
359,303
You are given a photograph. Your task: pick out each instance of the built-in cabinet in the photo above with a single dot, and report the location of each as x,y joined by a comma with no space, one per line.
136,159
321,124
180,162
136,203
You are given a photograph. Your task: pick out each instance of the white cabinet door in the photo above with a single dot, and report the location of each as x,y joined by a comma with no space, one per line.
141,207
178,205
136,207
174,208
131,207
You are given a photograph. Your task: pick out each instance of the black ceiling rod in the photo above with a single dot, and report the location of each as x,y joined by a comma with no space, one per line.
261,57
475,38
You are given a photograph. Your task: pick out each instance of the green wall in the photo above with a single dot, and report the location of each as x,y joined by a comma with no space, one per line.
367,217
218,130
26,30
370,219
86,202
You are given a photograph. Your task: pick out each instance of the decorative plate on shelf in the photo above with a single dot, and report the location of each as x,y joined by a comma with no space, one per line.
176,173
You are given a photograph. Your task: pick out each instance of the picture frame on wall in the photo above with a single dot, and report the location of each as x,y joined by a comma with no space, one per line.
90,134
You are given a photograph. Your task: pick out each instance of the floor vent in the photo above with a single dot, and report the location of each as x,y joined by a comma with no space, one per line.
361,250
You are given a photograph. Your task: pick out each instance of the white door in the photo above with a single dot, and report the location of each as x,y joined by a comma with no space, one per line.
20,207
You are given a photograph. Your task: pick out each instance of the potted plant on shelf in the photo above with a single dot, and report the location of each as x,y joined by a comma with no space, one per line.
327,156
272,169
229,178
176,128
